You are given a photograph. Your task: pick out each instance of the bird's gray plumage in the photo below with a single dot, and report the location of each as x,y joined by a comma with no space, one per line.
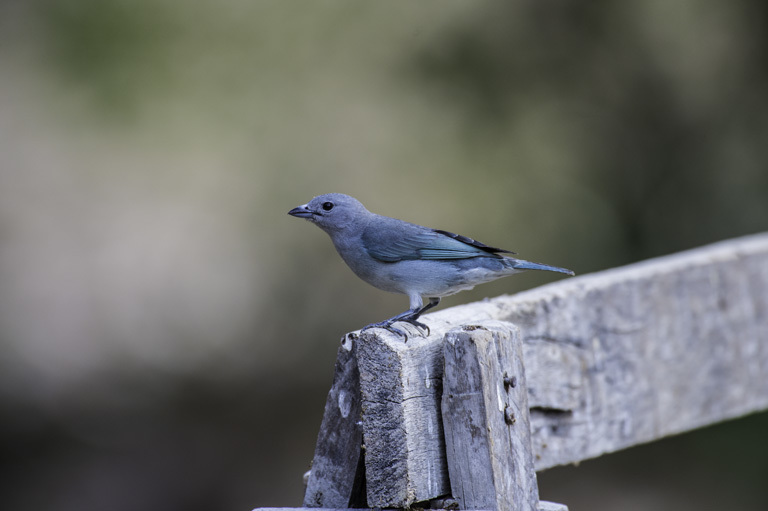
401,257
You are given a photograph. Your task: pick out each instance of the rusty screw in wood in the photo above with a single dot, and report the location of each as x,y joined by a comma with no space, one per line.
509,381
509,416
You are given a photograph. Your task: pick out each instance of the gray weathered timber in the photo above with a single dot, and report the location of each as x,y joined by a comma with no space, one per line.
331,481
631,355
402,428
403,468
613,359
486,419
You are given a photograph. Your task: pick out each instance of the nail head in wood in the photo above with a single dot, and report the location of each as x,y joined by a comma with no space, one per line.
509,416
509,381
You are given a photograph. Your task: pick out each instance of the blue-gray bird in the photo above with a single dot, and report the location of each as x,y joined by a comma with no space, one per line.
401,257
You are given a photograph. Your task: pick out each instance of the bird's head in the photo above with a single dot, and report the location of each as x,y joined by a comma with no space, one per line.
333,212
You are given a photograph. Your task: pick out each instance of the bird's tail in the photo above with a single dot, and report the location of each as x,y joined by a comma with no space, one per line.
521,264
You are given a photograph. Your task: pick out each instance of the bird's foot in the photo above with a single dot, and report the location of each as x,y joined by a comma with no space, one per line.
387,325
417,324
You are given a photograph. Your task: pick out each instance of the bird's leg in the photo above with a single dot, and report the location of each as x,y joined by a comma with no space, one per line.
432,303
410,316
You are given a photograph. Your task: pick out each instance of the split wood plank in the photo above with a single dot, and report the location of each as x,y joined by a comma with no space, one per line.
486,419
334,480
634,354
401,385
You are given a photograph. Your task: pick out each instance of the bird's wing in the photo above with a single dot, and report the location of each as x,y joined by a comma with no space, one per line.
391,240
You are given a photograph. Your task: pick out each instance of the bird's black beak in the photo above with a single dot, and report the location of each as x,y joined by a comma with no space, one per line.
301,212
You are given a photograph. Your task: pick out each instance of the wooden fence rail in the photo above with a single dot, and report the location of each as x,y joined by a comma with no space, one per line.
559,374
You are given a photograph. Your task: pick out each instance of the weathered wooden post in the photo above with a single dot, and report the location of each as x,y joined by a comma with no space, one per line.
404,409
401,385
486,419
335,480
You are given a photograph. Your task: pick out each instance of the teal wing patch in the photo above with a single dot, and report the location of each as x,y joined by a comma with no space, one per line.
390,240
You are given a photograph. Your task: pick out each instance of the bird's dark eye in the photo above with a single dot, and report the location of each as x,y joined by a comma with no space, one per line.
327,206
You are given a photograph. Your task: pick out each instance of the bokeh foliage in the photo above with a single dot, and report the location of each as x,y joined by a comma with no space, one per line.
167,332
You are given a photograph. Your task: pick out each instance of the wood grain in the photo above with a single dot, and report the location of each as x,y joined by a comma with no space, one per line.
486,419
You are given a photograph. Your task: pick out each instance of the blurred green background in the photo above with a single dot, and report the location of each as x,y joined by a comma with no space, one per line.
168,333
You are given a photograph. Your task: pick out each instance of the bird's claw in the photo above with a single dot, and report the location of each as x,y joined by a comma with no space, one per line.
418,324
390,327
